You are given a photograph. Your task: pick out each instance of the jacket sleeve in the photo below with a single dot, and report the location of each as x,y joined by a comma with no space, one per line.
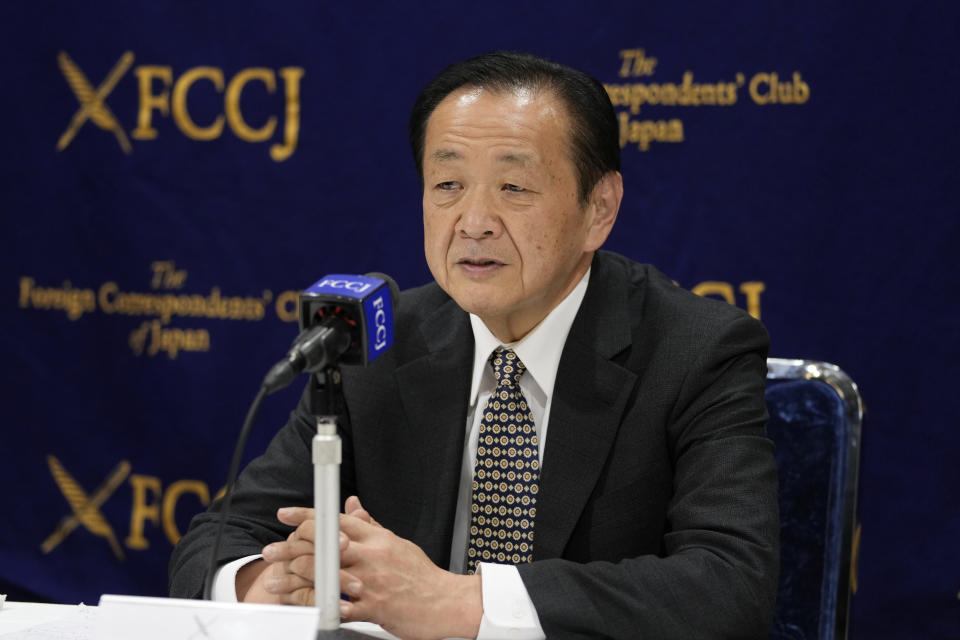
716,574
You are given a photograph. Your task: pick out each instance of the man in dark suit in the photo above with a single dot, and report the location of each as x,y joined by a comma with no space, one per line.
647,485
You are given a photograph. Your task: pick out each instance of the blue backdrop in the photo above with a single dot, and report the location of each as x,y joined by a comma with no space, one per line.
173,173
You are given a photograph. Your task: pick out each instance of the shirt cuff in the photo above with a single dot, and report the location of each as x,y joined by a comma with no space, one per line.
225,579
508,611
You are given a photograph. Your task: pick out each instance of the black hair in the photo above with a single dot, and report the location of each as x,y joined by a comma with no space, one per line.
594,133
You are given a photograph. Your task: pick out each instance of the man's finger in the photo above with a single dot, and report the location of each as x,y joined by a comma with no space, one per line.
307,530
302,597
362,546
350,584
294,516
354,612
352,557
355,528
301,566
361,514
356,531
285,583
352,507
347,611
283,551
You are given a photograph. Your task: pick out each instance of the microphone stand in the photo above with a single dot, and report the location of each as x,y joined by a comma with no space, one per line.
326,400
326,403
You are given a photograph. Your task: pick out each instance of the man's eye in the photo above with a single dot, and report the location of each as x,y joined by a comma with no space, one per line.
513,187
450,185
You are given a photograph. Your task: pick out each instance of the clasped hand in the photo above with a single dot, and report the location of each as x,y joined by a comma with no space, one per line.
390,580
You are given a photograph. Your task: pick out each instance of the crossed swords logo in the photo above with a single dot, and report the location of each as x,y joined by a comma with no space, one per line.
92,101
86,509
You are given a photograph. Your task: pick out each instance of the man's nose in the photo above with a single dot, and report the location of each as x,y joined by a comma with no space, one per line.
479,218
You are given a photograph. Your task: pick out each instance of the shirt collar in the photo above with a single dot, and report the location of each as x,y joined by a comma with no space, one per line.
539,350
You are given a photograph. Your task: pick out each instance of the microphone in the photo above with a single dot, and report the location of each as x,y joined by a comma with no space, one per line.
343,318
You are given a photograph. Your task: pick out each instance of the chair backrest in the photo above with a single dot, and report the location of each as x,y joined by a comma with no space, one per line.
816,415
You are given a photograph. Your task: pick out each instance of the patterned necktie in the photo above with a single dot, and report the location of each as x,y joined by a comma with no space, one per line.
506,474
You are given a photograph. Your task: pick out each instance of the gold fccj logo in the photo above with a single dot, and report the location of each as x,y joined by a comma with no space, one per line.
152,504
159,92
86,509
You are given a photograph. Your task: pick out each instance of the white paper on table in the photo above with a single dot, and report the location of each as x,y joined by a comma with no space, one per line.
171,618
75,625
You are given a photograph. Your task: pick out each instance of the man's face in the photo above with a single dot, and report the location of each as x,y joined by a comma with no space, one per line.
505,234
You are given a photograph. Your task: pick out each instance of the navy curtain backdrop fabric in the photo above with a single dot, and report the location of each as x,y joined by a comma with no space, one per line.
172,174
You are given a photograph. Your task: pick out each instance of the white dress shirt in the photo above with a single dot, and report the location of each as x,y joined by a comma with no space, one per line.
508,611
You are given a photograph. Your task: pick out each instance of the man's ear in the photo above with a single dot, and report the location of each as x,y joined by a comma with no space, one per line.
603,208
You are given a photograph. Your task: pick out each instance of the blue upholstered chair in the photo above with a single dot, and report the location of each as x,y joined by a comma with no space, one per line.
815,420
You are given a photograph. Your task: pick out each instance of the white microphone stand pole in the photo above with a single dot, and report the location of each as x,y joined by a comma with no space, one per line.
326,505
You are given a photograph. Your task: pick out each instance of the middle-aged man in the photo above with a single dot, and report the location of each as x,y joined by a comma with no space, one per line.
561,442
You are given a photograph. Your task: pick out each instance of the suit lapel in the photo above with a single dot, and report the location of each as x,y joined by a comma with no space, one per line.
589,397
433,390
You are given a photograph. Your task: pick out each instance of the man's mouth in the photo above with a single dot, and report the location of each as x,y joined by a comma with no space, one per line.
479,266
480,262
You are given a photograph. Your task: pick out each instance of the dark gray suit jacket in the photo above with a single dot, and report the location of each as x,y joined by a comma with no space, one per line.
657,511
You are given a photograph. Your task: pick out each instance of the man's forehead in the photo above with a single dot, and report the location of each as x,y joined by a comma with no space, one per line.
442,143
520,93
546,100
518,158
